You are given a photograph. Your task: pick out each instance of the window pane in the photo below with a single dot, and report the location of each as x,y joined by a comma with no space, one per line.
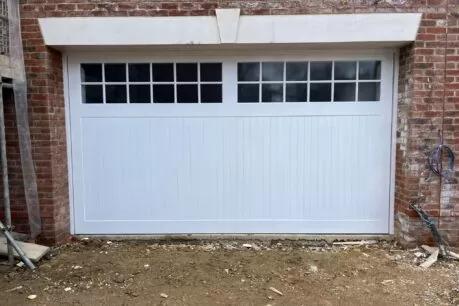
297,71
344,92
248,93
272,71
115,72
296,92
187,93
187,72
163,72
211,72
211,93
321,71
92,93
369,70
91,72
248,72
139,94
163,93
369,91
139,72
320,92
345,70
115,93
272,93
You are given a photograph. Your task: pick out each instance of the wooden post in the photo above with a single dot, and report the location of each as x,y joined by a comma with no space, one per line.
6,185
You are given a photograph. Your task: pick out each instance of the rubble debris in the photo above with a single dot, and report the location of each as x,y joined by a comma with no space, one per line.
313,268
276,291
132,293
209,247
292,272
431,259
164,296
14,289
453,255
395,257
387,281
429,249
361,242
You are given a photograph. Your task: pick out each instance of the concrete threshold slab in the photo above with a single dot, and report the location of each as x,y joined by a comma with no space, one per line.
34,251
262,237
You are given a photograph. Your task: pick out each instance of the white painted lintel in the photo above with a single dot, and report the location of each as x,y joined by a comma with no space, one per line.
228,27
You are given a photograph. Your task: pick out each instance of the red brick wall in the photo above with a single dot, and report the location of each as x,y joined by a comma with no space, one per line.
18,207
420,97
427,99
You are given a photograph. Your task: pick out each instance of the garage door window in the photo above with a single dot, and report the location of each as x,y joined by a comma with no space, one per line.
315,81
151,82
254,81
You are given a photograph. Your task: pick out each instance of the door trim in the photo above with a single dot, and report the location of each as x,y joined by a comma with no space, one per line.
67,58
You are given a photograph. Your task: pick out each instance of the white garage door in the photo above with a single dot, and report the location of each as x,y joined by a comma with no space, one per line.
231,144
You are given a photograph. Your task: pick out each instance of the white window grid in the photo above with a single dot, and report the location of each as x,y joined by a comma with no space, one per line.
284,82
151,83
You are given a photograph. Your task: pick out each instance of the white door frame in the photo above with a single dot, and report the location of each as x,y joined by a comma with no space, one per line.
389,54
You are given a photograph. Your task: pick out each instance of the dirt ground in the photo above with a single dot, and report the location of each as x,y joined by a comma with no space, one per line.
95,272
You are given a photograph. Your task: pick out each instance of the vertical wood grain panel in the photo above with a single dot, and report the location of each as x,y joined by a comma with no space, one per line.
257,169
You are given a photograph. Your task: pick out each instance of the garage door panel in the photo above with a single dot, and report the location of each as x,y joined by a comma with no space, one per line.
153,165
231,110
263,168
326,226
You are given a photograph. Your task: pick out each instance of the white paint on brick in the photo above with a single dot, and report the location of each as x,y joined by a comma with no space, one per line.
440,23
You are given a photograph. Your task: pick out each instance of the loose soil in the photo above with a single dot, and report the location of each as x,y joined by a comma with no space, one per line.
96,272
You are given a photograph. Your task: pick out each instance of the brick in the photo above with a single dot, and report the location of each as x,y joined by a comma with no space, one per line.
178,13
425,51
136,13
434,16
86,6
127,6
66,7
201,12
169,6
435,30
427,23
426,37
209,6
